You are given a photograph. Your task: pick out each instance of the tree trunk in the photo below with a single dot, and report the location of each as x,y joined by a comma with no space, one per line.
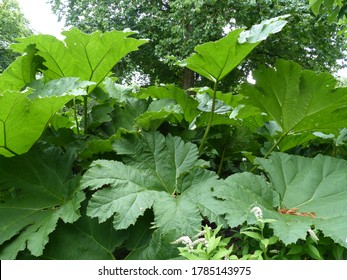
188,79
188,75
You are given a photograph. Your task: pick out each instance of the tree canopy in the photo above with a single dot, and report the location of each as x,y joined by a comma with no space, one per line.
175,27
336,9
13,25
311,40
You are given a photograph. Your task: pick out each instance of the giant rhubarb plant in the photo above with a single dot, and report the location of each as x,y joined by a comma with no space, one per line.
215,60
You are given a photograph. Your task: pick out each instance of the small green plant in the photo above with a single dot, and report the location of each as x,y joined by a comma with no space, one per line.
249,243
257,234
316,247
206,245
256,242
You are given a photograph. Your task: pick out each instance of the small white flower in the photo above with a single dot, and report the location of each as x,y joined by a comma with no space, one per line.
184,240
198,241
313,235
258,213
201,233
274,251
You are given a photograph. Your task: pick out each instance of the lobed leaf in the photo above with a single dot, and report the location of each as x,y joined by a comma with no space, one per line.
158,112
22,71
162,173
36,190
91,240
127,203
241,192
165,158
308,185
76,56
24,116
298,100
119,92
176,214
214,60
187,103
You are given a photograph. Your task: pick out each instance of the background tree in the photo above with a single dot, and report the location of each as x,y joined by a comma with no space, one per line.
175,27
310,40
12,25
336,9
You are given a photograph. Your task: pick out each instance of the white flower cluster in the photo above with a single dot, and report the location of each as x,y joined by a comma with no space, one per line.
313,235
184,240
258,213
191,244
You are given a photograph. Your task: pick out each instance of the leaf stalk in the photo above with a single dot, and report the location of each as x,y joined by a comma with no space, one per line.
85,113
223,155
75,116
273,147
209,124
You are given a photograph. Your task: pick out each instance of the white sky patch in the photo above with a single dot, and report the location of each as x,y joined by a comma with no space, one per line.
342,73
41,18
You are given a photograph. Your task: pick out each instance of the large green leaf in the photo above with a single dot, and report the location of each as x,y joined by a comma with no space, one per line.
24,116
91,240
166,159
125,117
158,112
163,173
22,71
159,247
59,87
36,190
145,243
315,5
58,62
214,60
241,192
119,92
206,101
298,100
260,32
87,56
188,103
176,214
316,185
127,202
